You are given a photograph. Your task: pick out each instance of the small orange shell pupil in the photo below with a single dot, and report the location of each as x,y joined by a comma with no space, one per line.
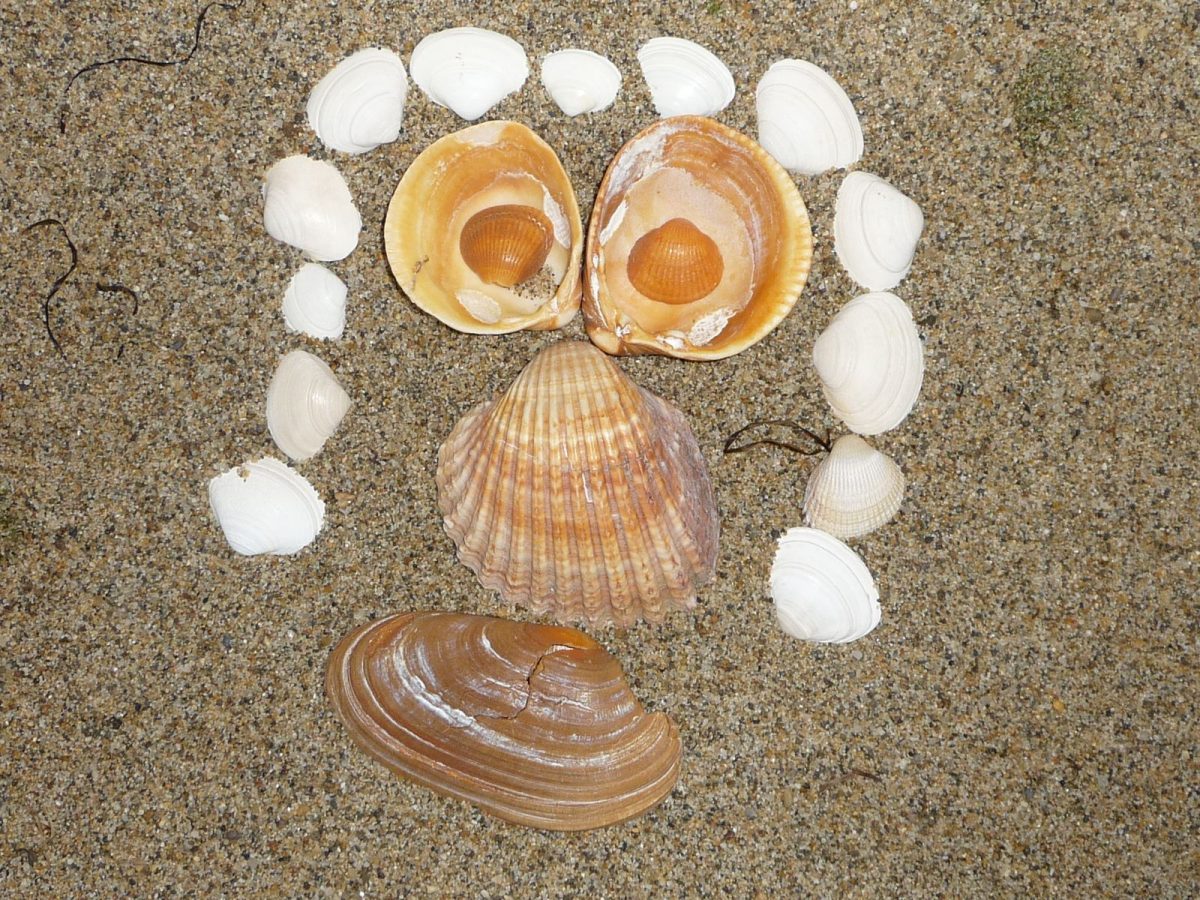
675,263
506,245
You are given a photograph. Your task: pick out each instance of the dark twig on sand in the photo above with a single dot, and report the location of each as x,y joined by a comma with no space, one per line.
822,443
61,280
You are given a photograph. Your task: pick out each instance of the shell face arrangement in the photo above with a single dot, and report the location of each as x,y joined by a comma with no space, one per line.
580,81
535,724
469,70
854,490
822,589
685,79
359,105
305,405
483,232
871,363
266,507
698,245
308,205
805,119
315,303
875,231
578,494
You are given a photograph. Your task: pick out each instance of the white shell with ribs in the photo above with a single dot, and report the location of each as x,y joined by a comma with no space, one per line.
854,490
305,404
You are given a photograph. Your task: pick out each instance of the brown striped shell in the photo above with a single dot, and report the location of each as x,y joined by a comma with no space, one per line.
506,244
675,263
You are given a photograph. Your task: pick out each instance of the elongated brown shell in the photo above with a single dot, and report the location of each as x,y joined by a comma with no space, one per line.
535,724
579,494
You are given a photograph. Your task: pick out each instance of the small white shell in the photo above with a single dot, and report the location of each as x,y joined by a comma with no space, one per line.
875,231
266,507
685,79
822,589
305,404
854,490
315,302
469,70
805,119
580,81
871,363
360,103
307,205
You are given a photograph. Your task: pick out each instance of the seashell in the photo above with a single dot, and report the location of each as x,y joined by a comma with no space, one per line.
698,245
360,103
315,302
469,70
822,589
266,507
871,363
305,405
579,494
854,490
483,232
684,78
805,119
875,231
535,724
580,81
307,205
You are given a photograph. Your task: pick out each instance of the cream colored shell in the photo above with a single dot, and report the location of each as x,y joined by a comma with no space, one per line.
305,405
875,231
822,589
306,203
854,490
266,507
469,70
315,302
805,119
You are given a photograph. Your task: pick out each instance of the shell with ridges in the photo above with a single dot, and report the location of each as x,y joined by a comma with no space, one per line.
315,302
266,507
469,70
305,404
805,119
580,81
359,105
875,231
307,204
685,79
822,589
854,490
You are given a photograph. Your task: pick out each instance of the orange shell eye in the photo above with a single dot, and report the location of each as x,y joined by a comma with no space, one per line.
675,263
506,245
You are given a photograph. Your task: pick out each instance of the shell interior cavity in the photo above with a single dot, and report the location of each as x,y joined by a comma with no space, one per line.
360,103
685,79
315,302
266,507
483,232
698,245
871,363
535,724
580,81
822,589
305,404
854,490
578,494
875,231
469,70
805,119
308,205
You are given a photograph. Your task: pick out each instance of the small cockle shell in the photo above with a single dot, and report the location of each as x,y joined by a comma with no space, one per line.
854,490
578,494
875,231
469,70
308,205
580,81
805,119
822,589
871,363
315,302
360,103
685,79
305,404
535,724
483,232
266,507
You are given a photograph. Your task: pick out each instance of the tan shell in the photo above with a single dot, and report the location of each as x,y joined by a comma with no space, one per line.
854,490
457,200
535,724
579,494
745,207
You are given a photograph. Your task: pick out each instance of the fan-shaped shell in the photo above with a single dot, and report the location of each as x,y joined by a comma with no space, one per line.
506,244
535,724
685,79
578,494
854,490
469,70
315,302
822,589
871,363
875,231
448,192
675,263
307,204
266,507
729,190
805,119
580,81
360,103
305,404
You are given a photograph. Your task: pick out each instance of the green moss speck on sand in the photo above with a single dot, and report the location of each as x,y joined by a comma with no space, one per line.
1049,99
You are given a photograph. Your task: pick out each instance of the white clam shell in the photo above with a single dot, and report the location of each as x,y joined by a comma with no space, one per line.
871,363
266,507
360,103
875,231
580,81
805,119
822,589
305,404
315,302
685,79
854,490
469,70
308,205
